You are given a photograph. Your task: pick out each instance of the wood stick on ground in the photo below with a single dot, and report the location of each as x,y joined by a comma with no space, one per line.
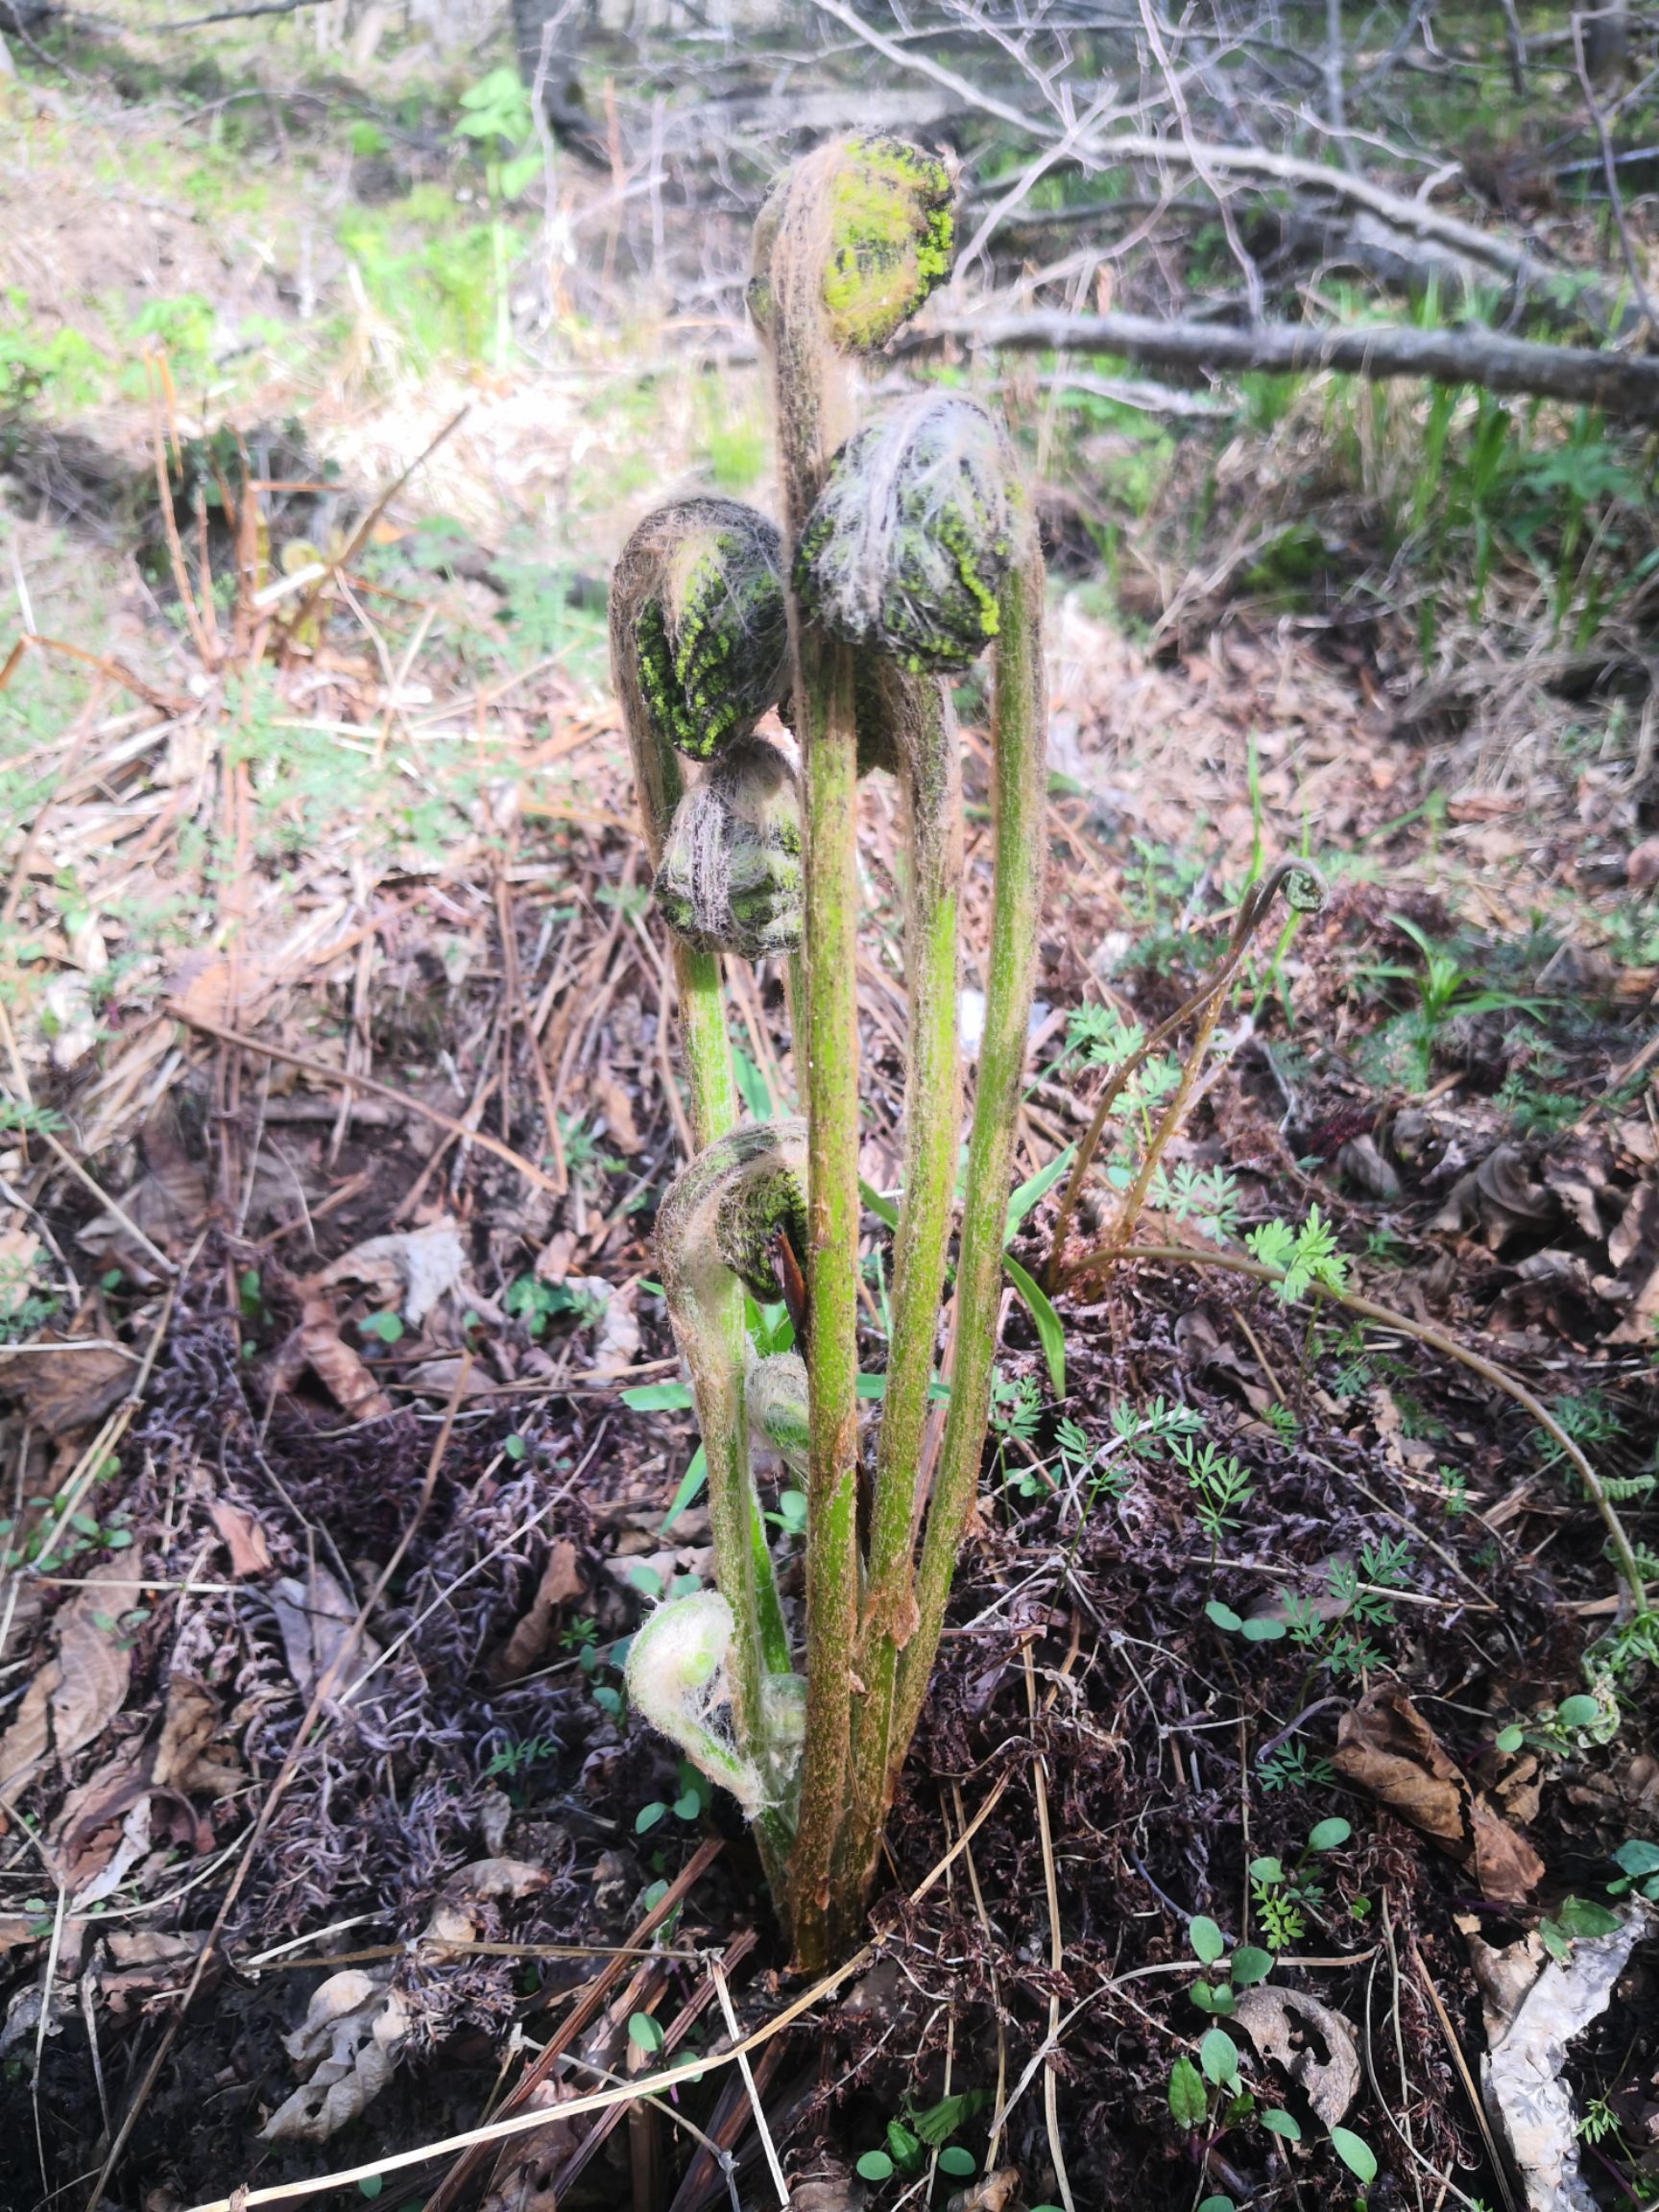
336,1076
673,2036
1581,375
586,2009
1056,1945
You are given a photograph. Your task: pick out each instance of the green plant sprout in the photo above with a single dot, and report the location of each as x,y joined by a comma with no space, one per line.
495,115
906,550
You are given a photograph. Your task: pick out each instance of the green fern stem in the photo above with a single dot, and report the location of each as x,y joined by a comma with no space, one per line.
831,1086
1019,744
932,781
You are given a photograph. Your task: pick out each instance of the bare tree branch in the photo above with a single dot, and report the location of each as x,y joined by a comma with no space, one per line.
1619,383
1415,217
235,15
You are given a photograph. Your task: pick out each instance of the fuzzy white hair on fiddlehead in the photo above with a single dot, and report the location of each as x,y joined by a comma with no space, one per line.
730,876
776,1395
872,218
699,592
912,539
727,1211
676,1677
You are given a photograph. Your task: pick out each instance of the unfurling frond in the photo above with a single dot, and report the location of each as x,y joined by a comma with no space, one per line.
914,534
870,220
731,873
676,1676
777,1400
698,605
730,1208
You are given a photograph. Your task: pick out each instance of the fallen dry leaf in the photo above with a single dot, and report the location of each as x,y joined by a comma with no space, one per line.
455,1919
145,1960
24,1746
243,1537
1384,1746
994,2194
94,1664
317,1344
169,1203
614,1102
67,1390
1534,2008
525,2171
1633,1249
348,2042
1314,2046
315,1619
89,1837
183,1758
414,1267
561,1582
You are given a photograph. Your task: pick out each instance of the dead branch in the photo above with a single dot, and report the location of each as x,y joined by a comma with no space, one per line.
1580,375
1256,163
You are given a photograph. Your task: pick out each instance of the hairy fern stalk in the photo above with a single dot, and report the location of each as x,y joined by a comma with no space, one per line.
905,551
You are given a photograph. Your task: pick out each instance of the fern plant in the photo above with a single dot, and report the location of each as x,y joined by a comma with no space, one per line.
906,549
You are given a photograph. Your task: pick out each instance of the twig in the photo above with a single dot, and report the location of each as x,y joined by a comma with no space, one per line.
760,2128
1112,148
333,1075
111,1205
359,537
1621,384
1609,170
1476,2103
1056,1946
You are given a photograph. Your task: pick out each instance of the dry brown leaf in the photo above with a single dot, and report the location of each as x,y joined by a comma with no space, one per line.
68,1390
1314,2045
1384,1746
342,1373
184,1758
349,2041
243,1537
169,1202
95,1664
561,1582
414,1267
221,992
614,1102
97,1839
1633,1248
315,1619
995,2192
525,2171
145,1960
24,1746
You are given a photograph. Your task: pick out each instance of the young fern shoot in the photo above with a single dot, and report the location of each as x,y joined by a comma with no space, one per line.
907,549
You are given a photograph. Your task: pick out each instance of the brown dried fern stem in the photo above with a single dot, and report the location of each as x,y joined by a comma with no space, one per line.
1304,889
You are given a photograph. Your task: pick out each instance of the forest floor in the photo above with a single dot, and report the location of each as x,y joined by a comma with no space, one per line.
339,1096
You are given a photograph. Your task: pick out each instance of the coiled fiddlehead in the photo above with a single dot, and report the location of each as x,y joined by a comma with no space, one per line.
912,538
700,586
721,1225
731,873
